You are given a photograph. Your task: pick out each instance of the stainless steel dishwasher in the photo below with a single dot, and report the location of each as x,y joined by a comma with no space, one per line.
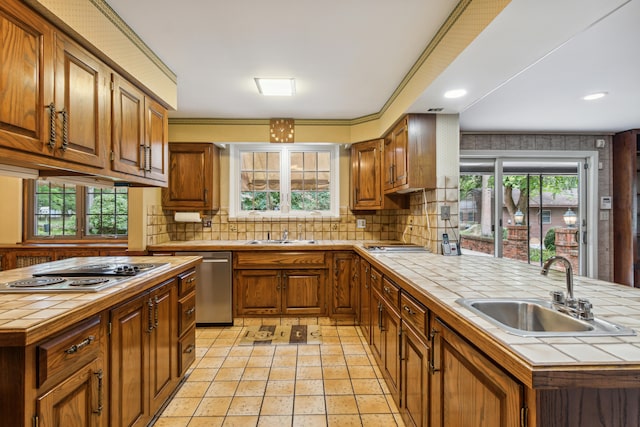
214,292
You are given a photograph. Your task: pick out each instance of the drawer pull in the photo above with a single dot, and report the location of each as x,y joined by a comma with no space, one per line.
190,311
98,375
191,280
85,342
408,310
190,348
387,290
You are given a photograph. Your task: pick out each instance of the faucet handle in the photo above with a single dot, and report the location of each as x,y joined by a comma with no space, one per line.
557,297
584,309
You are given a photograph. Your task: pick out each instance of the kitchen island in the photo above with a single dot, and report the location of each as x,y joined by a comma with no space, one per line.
549,381
88,358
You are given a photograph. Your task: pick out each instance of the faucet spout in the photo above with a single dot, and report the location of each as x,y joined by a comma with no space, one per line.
568,271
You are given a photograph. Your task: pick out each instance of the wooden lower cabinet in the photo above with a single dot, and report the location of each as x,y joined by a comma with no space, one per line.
344,289
467,389
143,355
272,292
414,387
77,401
385,342
364,311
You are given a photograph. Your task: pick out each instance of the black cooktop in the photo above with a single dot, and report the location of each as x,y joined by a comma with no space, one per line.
121,269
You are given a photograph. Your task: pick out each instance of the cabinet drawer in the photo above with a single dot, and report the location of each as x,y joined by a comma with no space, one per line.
67,350
376,279
187,310
414,313
264,259
186,282
186,351
390,292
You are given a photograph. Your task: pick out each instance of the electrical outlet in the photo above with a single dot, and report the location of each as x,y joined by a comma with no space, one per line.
334,227
445,212
206,223
233,228
361,223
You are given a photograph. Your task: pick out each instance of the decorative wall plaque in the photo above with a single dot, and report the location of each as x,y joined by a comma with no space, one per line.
281,130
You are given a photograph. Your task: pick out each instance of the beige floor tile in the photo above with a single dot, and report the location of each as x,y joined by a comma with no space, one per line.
309,373
208,332
341,404
284,361
372,404
280,388
335,372
210,362
338,386
329,331
357,359
361,371
245,405
251,388
229,333
193,389
172,422
347,331
222,388
235,362
181,407
256,374
350,339
353,349
309,350
286,350
222,351
240,421
213,407
275,421
277,405
206,422
344,421
308,405
241,351
313,360
229,374
225,341
309,387
263,350
366,386
202,374
204,342
377,420
287,373
331,340
259,361
333,360
309,421
331,349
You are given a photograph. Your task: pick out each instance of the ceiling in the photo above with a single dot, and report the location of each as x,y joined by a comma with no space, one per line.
526,72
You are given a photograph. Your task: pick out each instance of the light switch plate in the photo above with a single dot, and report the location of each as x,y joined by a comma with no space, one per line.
445,212
361,223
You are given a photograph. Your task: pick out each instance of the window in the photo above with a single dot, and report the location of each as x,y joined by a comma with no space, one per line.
275,180
69,211
546,216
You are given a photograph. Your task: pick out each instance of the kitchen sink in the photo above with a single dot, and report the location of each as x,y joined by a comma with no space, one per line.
538,318
282,242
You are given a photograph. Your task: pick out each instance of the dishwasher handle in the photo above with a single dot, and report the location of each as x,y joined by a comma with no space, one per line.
215,260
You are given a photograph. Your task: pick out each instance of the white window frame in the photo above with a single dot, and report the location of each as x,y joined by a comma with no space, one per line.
235,151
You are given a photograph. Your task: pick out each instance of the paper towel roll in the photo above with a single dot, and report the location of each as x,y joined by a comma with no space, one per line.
187,217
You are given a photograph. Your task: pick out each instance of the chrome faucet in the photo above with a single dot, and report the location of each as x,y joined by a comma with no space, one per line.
569,274
285,234
580,308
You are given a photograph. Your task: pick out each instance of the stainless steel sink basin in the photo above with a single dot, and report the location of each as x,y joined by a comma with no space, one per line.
282,242
538,318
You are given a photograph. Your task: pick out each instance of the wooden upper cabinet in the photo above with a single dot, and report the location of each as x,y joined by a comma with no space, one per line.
194,177
82,86
26,79
140,133
366,163
410,154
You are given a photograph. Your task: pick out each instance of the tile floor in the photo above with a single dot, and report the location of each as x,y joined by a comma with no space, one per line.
336,383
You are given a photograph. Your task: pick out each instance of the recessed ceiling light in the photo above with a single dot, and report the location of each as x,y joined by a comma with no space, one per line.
276,87
455,93
596,95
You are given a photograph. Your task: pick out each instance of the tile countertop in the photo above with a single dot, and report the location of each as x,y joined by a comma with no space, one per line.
25,317
445,279
236,245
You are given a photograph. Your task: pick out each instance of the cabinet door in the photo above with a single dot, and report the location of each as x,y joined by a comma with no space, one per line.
391,349
26,79
163,345
156,140
468,390
131,325
258,291
365,299
75,402
400,159
366,179
343,291
82,86
190,183
128,128
415,378
388,165
376,326
303,292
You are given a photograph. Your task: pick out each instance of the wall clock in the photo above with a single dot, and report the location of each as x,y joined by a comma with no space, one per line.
282,130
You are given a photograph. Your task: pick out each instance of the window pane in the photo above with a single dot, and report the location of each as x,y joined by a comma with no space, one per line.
324,161
247,161
54,209
296,181
296,161
260,161
107,212
273,162
310,162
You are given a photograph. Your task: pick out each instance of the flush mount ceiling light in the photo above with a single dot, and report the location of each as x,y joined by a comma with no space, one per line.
455,93
593,96
276,87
